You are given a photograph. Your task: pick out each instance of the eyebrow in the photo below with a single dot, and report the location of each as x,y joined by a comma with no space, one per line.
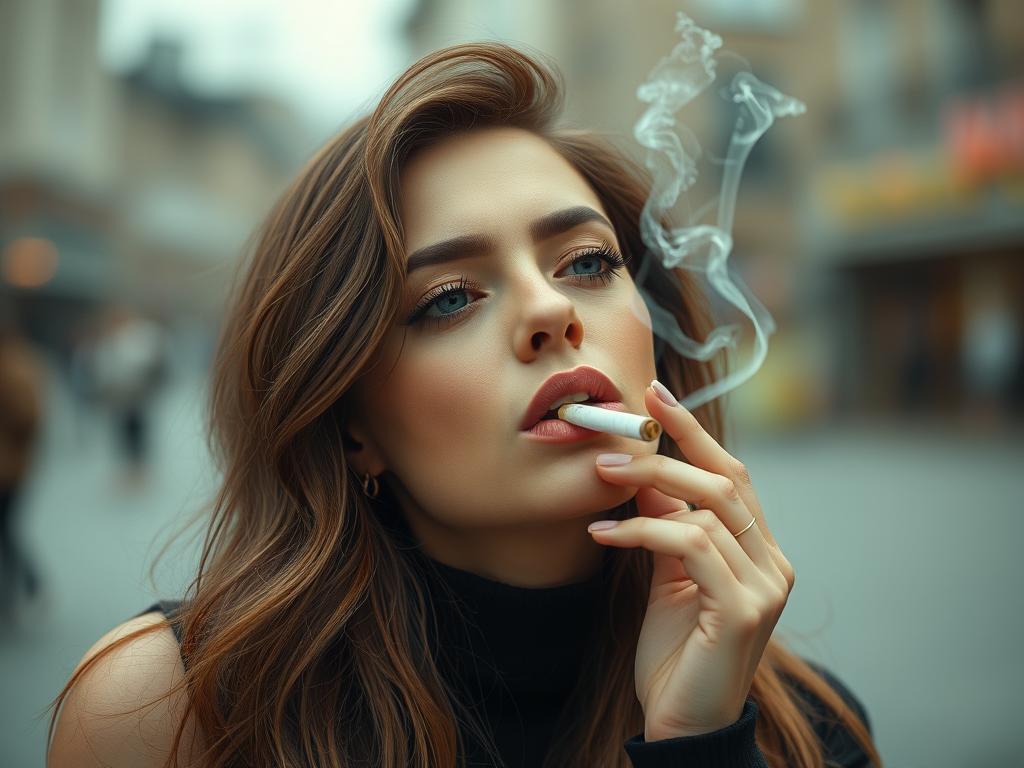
465,246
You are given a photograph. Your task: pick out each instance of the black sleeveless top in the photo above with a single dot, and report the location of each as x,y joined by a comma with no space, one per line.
169,608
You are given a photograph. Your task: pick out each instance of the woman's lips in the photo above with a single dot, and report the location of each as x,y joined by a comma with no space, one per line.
558,431
582,378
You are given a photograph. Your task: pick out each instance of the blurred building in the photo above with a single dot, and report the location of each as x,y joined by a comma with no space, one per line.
883,228
127,186
916,209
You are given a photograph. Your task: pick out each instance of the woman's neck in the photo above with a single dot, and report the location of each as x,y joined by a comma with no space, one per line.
548,554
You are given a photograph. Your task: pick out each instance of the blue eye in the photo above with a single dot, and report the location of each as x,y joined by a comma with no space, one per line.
448,296
588,261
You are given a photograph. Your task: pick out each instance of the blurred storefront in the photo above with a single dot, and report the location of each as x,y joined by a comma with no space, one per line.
919,216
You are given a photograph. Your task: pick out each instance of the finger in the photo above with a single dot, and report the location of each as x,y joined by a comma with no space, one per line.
739,561
703,450
703,488
650,502
690,543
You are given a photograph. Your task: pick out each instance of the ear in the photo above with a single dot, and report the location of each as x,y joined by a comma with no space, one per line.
361,450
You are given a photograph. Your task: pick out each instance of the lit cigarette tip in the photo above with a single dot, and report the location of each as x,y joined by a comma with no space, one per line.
650,429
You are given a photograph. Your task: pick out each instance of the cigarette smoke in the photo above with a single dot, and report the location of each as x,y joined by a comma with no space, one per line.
672,155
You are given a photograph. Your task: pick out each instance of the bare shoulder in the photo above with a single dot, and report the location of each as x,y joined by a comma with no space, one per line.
96,727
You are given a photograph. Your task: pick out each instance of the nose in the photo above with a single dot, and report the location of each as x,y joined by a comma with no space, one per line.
547,320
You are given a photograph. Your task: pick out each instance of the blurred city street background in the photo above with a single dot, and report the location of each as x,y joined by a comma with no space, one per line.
142,141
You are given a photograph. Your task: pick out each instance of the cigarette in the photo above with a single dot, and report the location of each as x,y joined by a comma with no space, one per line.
613,422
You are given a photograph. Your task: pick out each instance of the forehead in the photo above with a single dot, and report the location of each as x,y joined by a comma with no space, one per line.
474,181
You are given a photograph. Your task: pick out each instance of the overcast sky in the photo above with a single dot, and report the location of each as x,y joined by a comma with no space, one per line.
327,57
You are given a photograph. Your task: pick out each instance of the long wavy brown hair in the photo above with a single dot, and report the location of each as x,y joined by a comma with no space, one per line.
304,630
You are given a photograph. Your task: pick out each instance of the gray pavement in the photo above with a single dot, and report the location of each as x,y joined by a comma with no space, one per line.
94,537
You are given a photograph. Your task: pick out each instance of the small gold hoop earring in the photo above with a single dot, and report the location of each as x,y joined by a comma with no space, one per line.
367,478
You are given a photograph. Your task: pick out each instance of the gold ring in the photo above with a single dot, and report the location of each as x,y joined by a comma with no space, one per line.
752,521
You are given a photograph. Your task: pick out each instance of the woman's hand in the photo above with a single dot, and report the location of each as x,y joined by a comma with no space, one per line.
715,598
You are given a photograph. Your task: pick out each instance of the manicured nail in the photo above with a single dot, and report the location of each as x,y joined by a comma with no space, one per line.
662,392
602,525
613,459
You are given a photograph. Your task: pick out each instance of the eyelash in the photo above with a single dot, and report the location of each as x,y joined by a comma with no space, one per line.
417,316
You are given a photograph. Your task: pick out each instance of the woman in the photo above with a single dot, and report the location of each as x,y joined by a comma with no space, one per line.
397,570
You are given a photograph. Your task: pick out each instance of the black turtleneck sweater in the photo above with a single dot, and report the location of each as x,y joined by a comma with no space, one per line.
520,655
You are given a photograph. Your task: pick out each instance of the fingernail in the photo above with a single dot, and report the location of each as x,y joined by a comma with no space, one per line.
613,459
662,392
602,525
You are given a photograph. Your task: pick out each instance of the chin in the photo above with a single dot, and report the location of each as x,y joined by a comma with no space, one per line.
609,496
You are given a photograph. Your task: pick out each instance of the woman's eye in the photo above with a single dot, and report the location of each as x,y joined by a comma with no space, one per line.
446,297
587,262
591,260
449,299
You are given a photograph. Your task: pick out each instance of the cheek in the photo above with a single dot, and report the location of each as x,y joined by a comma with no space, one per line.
638,338
637,320
626,336
450,439
445,404
639,313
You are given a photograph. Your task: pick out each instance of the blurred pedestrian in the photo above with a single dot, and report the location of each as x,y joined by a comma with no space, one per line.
22,380
128,366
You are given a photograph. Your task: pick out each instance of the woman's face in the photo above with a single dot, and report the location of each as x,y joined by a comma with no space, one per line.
440,414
